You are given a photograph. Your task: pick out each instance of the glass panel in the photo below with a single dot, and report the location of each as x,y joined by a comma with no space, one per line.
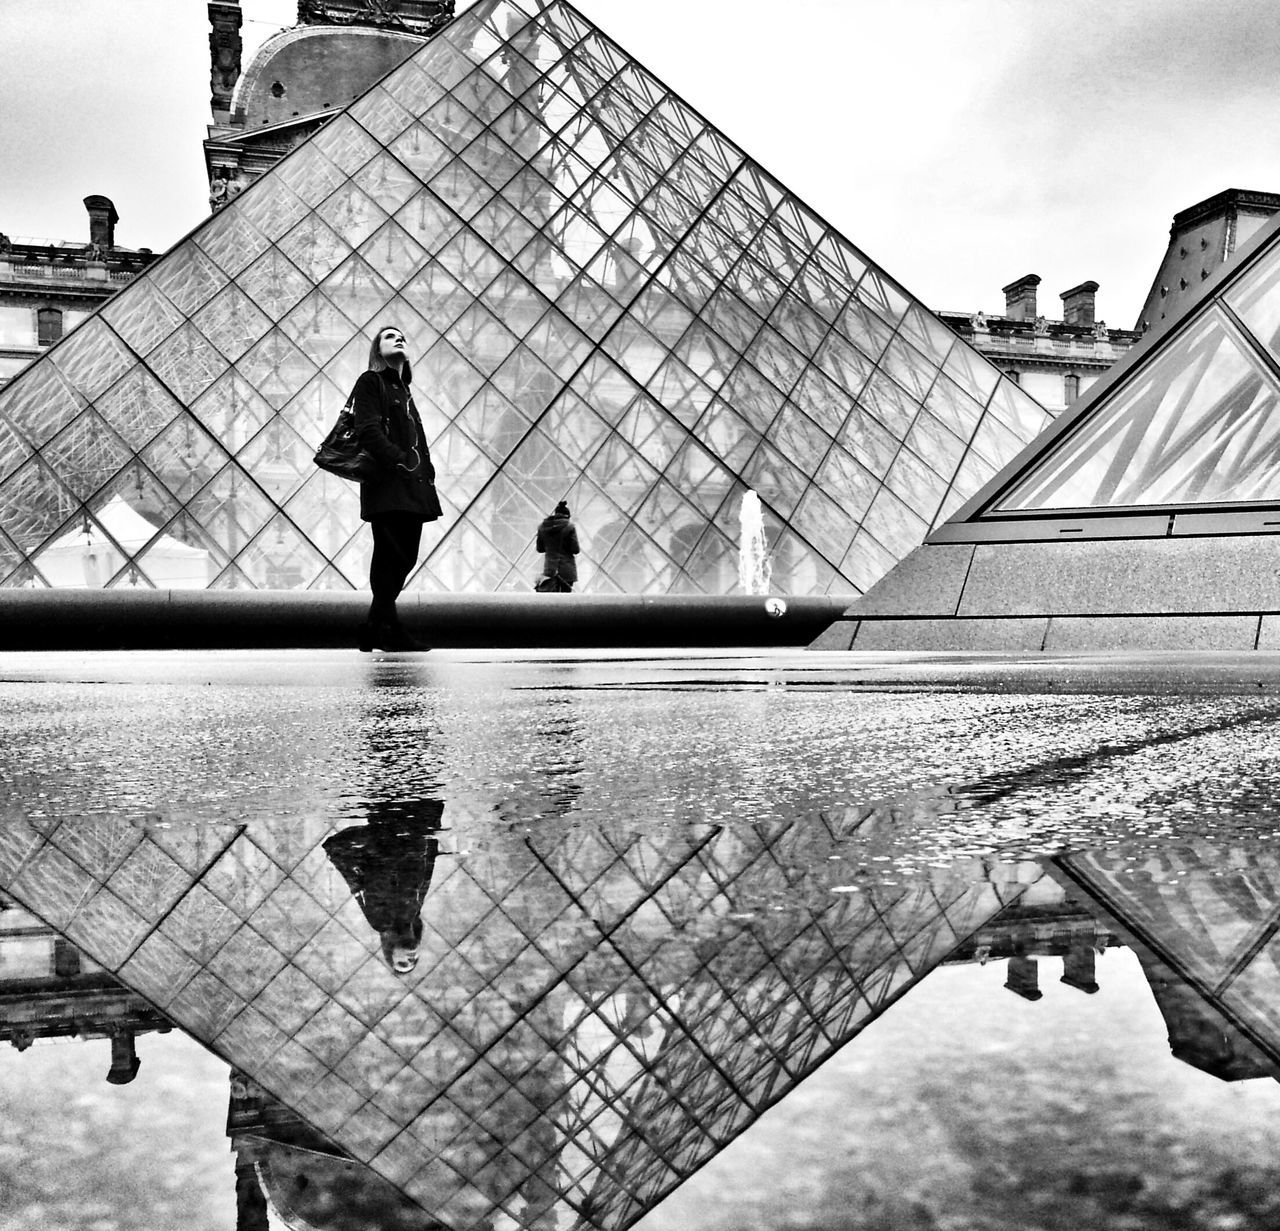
446,379
727,435
270,206
680,391
908,367
85,454
825,404
852,486
231,322
13,452
949,403
357,291
481,338
91,358
928,333
930,439
273,283
1018,411
309,174
278,458
971,372
493,422
33,503
184,457
822,521
462,469
318,328
352,214
776,480
920,487
345,144
280,558
500,226
803,442
1197,425
187,362
1256,300
142,315
276,368
382,115
894,523
231,410
231,509
314,248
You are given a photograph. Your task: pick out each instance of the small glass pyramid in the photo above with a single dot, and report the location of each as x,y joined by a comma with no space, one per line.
606,302
1192,425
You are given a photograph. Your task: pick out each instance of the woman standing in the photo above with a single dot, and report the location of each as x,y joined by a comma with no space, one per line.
401,495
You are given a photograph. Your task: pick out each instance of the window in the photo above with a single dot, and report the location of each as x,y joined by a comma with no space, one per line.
1070,388
49,325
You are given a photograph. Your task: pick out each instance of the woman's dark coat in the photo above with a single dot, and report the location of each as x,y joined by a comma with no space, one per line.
388,426
559,540
387,864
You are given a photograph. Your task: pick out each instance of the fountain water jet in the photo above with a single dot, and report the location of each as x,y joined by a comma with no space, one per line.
754,568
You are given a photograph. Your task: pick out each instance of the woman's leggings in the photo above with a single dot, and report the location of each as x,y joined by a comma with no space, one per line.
396,538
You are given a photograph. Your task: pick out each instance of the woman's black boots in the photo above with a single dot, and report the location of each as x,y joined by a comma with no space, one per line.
383,631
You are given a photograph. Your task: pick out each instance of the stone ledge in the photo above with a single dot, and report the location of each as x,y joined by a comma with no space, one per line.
278,619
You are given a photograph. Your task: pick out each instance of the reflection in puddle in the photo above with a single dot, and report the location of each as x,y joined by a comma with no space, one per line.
591,1015
507,970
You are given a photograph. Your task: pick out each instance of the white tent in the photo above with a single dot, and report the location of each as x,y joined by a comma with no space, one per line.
86,558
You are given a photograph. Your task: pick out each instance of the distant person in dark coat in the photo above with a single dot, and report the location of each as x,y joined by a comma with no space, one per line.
387,864
558,540
401,495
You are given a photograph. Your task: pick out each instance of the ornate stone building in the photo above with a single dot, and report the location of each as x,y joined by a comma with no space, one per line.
1054,360
300,77
47,286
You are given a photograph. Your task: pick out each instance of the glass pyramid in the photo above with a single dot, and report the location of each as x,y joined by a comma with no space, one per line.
606,302
595,1013
1211,911
1192,425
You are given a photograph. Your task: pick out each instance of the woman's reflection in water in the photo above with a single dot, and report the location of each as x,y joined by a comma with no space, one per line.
388,863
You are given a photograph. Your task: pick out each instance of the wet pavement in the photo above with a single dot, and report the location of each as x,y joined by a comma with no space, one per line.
698,940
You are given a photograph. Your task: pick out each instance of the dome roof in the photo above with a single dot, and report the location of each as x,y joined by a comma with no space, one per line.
315,68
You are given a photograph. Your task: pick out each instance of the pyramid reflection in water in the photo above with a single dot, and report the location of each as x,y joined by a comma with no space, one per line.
593,1014
1208,913
606,302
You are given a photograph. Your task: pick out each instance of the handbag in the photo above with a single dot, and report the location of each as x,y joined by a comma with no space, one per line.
340,452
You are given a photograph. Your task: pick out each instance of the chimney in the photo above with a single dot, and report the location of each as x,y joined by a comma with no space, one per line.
1020,298
102,221
1077,304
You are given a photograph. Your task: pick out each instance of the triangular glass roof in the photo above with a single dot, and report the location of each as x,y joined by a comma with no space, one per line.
595,1011
607,302
1187,423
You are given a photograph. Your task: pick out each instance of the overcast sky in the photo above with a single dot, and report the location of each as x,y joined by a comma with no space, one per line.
959,143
